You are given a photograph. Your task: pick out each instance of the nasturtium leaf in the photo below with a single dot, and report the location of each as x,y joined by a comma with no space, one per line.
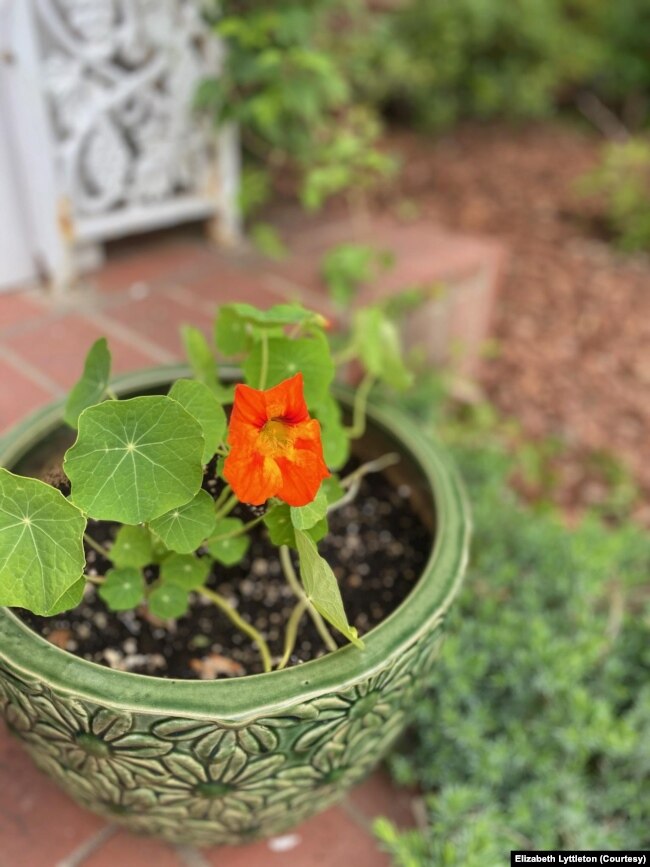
231,332
199,355
168,601
202,404
305,517
278,522
322,587
70,599
332,489
90,389
309,356
184,528
203,364
281,530
377,341
123,588
226,547
336,443
133,546
159,551
41,546
135,459
279,314
185,571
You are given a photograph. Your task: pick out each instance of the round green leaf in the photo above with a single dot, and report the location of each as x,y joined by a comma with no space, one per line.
185,571
281,529
123,589
377,341
309,356
169,601
42,557
336,443
184,528
92,386
135,459
132,547
226,547
202,404
306,517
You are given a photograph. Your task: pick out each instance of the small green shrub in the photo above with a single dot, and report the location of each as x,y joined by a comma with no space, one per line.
622,183
443,60
534,730
301,123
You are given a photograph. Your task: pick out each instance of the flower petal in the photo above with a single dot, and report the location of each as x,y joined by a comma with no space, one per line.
301,478
253,477
287,400
249,407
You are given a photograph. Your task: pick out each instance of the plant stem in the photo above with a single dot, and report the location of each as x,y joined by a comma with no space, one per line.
232,614
344,355
111,394
221,499
352,482
96,546
358,427
227,507
296,586
240,532
264,372
291,634
95,579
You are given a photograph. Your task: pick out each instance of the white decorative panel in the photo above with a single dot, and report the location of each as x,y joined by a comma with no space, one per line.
119,78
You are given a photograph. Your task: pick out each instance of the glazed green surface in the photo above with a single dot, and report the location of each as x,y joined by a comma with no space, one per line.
235,699
224,762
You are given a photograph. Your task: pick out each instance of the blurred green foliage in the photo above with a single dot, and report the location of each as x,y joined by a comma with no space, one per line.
622,184
535,728
301,122
435,62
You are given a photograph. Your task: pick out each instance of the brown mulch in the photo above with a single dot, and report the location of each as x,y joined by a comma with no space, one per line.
573,315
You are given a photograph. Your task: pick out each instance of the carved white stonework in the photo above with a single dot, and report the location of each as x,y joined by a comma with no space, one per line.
120,78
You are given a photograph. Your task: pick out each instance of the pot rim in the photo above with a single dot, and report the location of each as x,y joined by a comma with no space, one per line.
237,699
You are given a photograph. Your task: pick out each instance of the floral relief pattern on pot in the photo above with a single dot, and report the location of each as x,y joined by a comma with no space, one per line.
211,782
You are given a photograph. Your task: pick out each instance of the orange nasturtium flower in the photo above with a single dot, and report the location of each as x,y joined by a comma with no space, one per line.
275,447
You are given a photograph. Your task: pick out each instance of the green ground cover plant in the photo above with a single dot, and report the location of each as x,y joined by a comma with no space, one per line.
534,730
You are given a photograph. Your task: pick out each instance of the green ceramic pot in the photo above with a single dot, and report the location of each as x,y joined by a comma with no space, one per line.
228,761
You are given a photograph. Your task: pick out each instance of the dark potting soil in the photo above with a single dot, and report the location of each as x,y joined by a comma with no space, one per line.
377,547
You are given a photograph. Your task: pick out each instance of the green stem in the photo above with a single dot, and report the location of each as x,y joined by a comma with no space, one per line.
96,546
291,634
240,532
95,579
227,507
241,624
264,372
111,394
344,356
221,499
296,586
358,427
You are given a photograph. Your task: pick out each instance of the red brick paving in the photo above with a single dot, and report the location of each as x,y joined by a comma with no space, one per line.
39,826
19,395
16,309
140,299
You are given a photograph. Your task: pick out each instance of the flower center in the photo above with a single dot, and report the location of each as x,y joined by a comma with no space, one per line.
276,435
